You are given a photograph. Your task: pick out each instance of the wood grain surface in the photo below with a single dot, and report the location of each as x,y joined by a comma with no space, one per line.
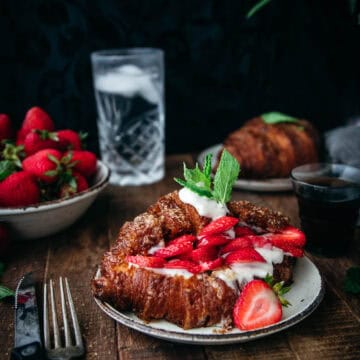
331,332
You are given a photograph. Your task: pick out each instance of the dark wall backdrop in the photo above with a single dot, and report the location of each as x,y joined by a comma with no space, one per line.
300,57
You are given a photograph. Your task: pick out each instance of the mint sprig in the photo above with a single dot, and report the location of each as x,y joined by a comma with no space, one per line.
200,182
278,117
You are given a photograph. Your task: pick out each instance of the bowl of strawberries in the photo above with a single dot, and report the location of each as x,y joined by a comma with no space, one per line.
47,178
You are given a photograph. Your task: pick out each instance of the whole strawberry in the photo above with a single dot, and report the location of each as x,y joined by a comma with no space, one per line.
44,165
6,131
75,184
37,140
82,161
69,140
19,189
35,119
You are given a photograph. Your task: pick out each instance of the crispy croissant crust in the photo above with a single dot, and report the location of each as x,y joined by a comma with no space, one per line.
201,300
272,150
198,301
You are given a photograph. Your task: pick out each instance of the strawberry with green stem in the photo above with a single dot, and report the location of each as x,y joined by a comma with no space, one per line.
260,304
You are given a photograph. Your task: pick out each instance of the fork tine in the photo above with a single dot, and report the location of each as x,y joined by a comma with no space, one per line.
64,315
77,332
46,319
54,318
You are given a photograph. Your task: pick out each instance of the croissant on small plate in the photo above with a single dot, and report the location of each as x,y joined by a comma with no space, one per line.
272,150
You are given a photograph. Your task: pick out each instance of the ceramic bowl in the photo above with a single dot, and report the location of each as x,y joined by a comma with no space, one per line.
50,217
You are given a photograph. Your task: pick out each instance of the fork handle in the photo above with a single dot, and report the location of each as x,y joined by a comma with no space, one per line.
32,351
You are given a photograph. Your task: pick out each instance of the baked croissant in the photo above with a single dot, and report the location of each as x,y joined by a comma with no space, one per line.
272,150
201,300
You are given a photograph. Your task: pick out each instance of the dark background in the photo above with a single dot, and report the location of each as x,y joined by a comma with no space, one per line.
298,57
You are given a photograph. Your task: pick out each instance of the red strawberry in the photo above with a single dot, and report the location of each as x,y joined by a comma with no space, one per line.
243,256
76,184
219,226
6,131
182,264
294,251
45,165
82,161
181,245
211,265
213,240
257,306
289,236
35,119
19,189
183,239
236,244
202,254
4,239
68,140
260,241
243,231
37,140
146,261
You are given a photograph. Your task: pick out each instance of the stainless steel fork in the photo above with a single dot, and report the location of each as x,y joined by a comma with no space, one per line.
56,350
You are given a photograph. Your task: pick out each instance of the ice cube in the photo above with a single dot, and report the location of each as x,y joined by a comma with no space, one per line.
128,81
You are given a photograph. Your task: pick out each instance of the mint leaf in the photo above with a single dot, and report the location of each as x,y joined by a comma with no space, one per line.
277,117
225,176
7,167
5,292
197,177
208,165
196,189
352,280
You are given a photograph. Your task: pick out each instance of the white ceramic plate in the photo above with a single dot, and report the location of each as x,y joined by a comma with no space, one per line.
305,295
282,184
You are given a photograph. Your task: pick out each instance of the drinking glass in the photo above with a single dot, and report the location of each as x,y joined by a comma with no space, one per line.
129,91
329,200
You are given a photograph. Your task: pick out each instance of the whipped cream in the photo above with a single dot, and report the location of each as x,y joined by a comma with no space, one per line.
172,272
203,205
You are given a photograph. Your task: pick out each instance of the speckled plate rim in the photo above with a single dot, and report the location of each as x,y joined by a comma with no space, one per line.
280,184
183,336
103,173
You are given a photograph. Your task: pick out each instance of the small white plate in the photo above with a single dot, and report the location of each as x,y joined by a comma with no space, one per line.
305,295
281,184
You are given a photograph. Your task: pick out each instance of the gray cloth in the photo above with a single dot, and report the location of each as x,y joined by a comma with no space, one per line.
343,145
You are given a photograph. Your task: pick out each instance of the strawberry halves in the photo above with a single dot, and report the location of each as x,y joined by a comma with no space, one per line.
219,226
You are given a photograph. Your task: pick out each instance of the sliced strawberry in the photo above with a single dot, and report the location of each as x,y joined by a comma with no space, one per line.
236,244
213,240
146,261
183,264
294,251
182,239
289,236
243,256
202,254
176,247
219,226
260,241
243,231
257,306
211,265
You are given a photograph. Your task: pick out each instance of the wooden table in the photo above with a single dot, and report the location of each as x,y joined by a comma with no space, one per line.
331,332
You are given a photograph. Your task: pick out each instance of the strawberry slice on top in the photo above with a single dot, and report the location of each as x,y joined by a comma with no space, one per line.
146,261
183,264
213,240
244,255
178,246
237,244
290,236
218,226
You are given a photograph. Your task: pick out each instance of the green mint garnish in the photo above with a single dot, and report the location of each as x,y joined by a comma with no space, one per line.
5,292
277,117
200,182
